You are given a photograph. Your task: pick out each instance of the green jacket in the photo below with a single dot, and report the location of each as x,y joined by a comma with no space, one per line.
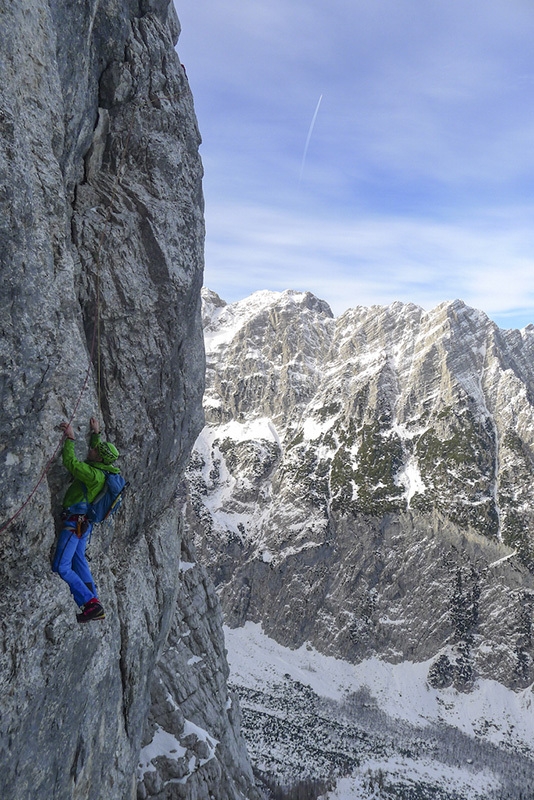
85,473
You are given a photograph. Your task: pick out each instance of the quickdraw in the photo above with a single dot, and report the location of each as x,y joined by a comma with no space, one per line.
78,522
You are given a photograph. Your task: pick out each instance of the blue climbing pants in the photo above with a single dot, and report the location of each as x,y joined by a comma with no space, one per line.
71,564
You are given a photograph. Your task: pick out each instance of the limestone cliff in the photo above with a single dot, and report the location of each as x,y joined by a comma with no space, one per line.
101,220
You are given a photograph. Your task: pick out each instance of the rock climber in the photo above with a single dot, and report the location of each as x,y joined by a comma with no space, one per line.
70,561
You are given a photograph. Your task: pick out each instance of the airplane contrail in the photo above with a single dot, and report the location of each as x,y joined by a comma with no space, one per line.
309,137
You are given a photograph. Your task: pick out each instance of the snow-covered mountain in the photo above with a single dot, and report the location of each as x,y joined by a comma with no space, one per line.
363,487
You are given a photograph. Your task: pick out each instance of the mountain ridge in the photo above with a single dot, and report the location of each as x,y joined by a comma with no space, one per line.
363,487
384,417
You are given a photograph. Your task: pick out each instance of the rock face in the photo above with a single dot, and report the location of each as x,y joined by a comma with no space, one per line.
101,242
358,479
192,746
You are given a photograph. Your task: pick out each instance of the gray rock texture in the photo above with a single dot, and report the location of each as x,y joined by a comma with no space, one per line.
191,705
359,478
101,218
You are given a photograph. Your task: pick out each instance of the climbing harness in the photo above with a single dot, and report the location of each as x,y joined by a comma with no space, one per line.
78,522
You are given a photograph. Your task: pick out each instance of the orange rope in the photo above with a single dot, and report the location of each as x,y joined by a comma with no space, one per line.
56,451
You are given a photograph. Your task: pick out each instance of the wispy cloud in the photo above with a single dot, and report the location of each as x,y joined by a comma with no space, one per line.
488,263
418,176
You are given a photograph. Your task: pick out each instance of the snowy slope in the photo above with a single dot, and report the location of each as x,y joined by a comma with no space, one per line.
474,745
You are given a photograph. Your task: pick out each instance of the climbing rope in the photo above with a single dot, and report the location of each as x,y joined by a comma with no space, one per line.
95,341
52,458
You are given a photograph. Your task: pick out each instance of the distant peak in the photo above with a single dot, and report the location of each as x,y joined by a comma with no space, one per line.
458,310
264,298
211,297
314,303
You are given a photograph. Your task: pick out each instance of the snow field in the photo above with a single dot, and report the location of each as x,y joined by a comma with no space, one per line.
377,774
490,713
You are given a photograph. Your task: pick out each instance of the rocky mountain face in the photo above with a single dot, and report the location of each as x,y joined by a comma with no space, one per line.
101,227
364,484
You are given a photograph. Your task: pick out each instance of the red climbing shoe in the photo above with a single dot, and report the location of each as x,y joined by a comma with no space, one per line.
91,610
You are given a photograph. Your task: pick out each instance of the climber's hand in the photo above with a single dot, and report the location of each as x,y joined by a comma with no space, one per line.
67,429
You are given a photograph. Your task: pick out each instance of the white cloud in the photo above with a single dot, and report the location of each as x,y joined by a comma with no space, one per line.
488,263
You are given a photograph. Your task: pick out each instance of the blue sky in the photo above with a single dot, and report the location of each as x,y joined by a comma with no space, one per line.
418,181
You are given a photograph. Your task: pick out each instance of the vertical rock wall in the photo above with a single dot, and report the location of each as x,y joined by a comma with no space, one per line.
101,217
